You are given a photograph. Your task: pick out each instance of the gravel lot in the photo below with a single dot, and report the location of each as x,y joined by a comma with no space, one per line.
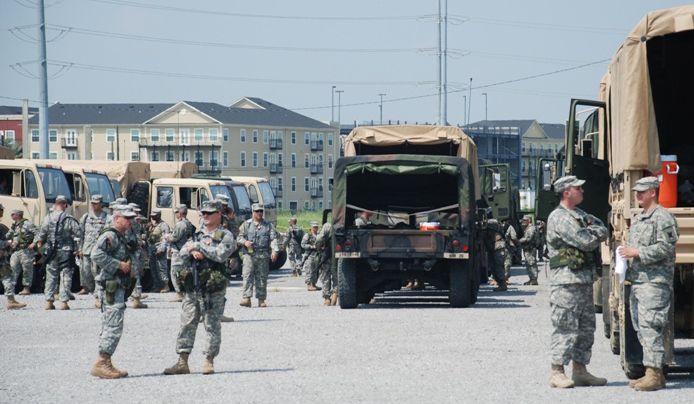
402,349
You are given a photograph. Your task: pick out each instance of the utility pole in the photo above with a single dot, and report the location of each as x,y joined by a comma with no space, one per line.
332,105
439,54
43,84
339,104
486,118
465,110
470,99
445,63
380,106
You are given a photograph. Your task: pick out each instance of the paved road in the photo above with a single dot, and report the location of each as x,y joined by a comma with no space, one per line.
298,351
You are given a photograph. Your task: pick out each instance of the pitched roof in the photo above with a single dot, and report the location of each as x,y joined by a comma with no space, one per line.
100,114
554,130
522,124
13,110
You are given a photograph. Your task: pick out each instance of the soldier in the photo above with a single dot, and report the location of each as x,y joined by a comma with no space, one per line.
91,225
258,238
205,281
328,272
157,233
651,251
136,242
499,255
8,274
511,238
61,233
293,239
21,235
541,240
364,219
529,245
572,237
311,255
228,223
182,232
111,256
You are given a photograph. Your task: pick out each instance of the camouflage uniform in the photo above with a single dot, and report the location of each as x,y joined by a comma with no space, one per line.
156,238
327,271
529,245
499,253
208,302
22,234
91,226
308,243
654,234
135,237
64,244
511,241
293,240
7,275
183,230
571,290
256,265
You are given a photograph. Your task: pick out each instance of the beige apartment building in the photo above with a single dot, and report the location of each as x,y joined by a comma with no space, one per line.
251,137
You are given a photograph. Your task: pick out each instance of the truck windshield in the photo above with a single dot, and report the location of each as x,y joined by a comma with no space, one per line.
268,196
54,183
99,184
220,189
242,198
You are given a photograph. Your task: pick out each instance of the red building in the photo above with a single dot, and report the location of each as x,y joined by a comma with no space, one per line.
11,124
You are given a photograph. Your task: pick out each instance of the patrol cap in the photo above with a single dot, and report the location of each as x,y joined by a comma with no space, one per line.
257,207
567,181
121,201
646,183
135,207
155,213
181,208
314,223
96,199
16,212
222,198
211,206
124,210
60,198
527,218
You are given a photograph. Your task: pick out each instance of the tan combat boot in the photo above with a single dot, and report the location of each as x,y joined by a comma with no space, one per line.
121,373
181,367
225,319
178,298
63,306
245,302
559,379
653,380
12,304
501,287
165,289
582,377
137,304
25,292
261,303
103,368
49,305
83,291
326,301
208,366
312,287
333,299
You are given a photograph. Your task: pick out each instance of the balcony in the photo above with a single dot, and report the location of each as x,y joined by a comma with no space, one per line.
316,145
316,168
275,168
161,142
68,143
277,191
317,192
275,144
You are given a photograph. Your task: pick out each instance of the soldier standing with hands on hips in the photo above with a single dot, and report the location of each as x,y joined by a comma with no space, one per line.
572,237
651,251
258,237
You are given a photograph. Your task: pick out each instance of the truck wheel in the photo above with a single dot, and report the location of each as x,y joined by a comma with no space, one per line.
347,283
460,288
281,259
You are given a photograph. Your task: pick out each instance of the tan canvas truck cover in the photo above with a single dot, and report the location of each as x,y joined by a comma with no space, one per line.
416,135
634,133
172,169
125,173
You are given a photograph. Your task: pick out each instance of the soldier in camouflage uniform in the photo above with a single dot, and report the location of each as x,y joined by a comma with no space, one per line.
328,272
651,251
572,238
112,258
529,245
182,232
293,241
61,233
157,233
207,253
310,267
21,235
8,275
497,232
136,242
228,223
91,225
511,241
258,237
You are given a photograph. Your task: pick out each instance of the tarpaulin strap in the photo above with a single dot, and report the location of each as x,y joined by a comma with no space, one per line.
410,214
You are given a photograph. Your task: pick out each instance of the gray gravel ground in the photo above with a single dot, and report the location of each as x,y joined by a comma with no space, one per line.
299,351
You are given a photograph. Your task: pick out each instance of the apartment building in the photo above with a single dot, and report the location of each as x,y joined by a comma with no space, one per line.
251,137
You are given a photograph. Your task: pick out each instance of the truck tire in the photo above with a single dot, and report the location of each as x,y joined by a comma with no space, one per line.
460,288
347,283
281,259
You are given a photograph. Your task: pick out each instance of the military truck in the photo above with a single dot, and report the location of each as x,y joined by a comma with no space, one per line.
643,114
420,183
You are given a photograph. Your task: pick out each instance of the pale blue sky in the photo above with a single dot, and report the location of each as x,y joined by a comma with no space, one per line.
315,43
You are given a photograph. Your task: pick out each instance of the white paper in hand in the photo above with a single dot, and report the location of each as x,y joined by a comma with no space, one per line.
621,265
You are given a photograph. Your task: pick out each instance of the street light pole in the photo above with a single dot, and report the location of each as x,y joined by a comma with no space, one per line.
465,110
486,118
332,105
380,106
339,104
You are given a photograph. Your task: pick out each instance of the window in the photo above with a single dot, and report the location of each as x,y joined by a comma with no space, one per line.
293,137
134,136
255,135
242,135
193,197
53,135
280,159
306,184
154,156
134,156
330,161
293,184
154,134
225,134
266,136
169,155
214,158
255,159
265,160
184,136
53,156
225,158
9,136
170,134
330,139
109,156
243,159
199,158
110,135
306,161
199,133
214,134
34,135
185,155
307,138
330,184
35,155
164,197
306,205
70,137
71,155
293,160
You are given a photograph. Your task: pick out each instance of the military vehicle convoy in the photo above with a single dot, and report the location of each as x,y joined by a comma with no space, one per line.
638,127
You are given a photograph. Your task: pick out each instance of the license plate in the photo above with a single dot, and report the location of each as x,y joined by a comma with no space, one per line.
456,256
347,255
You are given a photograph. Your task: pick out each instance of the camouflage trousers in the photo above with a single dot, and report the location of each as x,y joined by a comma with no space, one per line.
508,261
310,269
138,266
87,273
176,265
573,323
8,276
294,257
209,306
328,278
650,308
256,268
23,261
159,266
498,269
112,314
59,273
530,256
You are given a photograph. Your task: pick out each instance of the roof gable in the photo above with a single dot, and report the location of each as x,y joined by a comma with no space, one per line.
182,113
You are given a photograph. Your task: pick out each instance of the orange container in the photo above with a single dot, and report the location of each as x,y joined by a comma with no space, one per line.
668,181
429,226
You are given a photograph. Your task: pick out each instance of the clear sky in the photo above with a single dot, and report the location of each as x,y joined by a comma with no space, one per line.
292,52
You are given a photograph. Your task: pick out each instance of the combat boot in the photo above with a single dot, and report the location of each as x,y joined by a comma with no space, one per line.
137,304
245,302
83,291
121,373
261,303
70,296
501,287
582,377
312,287
559,379
181,367
418,285
25,292
333,299
208,366
103,368
165,289
225,319
12,304
49,305
653,380
63,306
178,298
326,301
97,303
409,285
